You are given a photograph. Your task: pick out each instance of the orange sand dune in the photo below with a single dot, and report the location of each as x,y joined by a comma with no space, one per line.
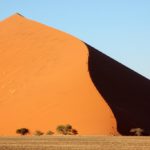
45,81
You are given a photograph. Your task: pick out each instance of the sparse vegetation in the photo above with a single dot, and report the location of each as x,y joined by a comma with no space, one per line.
74,132
137,131
49,133
61,129
66,130
22,131
38,133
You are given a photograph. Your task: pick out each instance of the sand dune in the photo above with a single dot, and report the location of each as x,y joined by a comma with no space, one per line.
45,81
48,78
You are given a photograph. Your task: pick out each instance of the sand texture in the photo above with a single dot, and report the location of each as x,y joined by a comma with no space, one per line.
45,81
48,78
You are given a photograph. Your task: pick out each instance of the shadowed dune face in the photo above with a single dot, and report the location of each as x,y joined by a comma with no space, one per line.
126,92
45,82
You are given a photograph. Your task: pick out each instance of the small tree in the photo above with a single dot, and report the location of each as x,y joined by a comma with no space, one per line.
38,133
66,130
61,129
22,131
74,132
68,127
49,133
137,131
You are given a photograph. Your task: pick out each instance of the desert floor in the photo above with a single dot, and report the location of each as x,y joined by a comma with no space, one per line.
74,143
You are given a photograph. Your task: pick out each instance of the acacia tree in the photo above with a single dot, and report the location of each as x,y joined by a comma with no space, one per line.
38,133
49,132
22,131
61,129
66,130
74,132
137,131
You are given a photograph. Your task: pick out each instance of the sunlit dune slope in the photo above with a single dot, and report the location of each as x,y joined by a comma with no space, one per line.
45,81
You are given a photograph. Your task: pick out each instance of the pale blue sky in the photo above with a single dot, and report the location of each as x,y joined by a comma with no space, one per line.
118,28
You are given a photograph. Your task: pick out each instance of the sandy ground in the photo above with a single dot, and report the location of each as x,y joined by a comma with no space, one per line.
75,143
